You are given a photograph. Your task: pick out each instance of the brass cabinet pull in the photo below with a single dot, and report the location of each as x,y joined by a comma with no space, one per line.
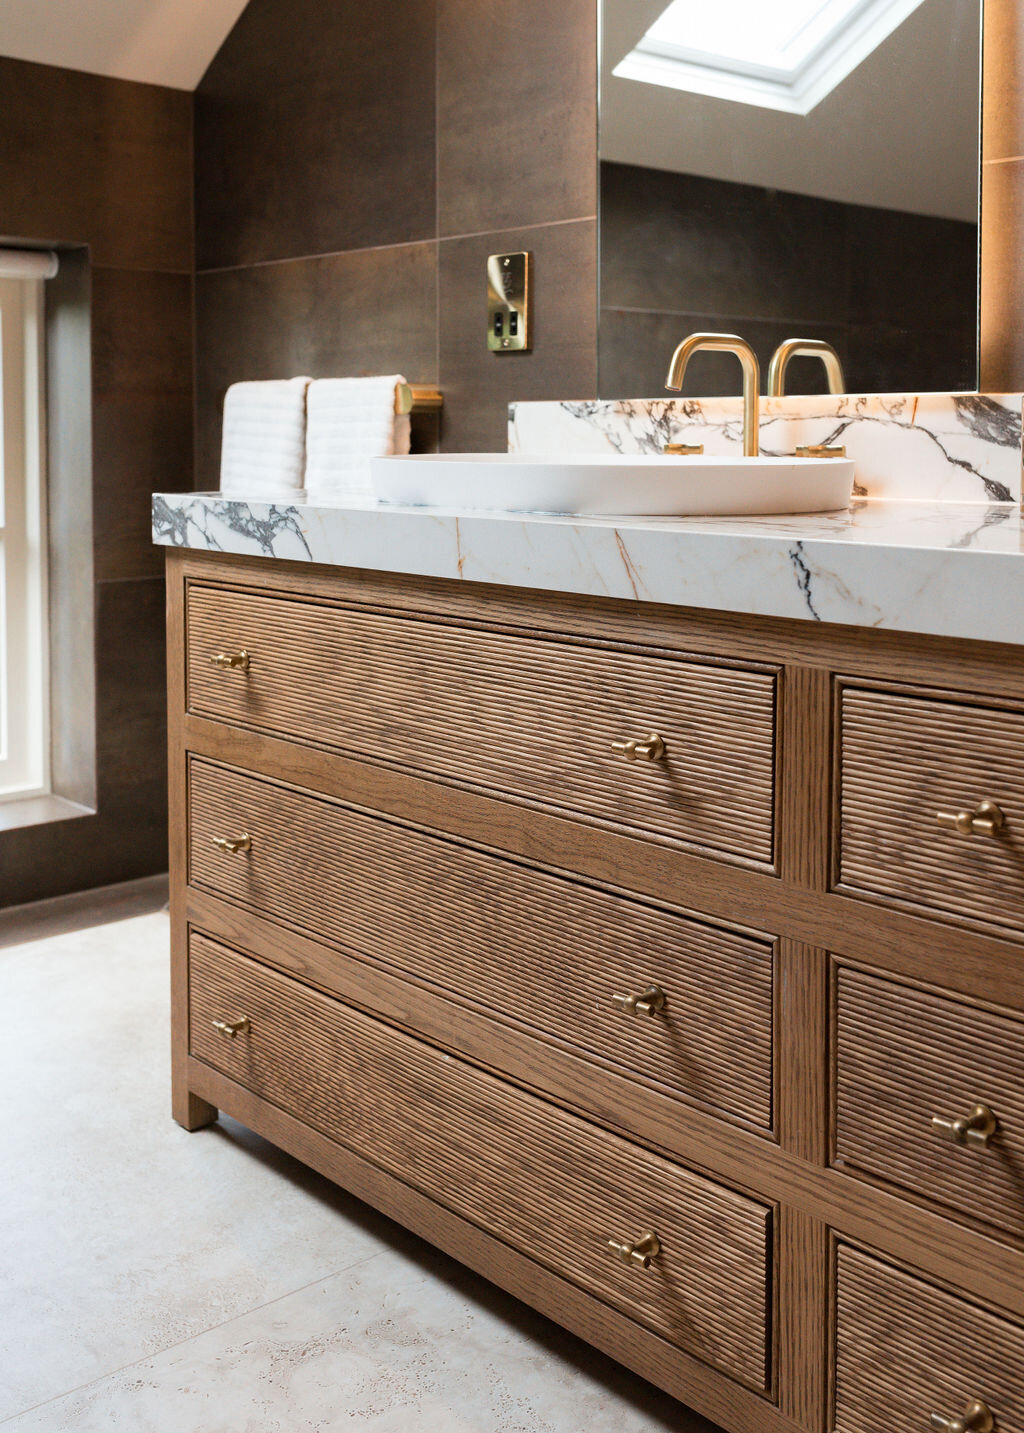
230,1028
641,1253
233,844
652,748
233,661
975,1129
977,1418
985,820
648,1002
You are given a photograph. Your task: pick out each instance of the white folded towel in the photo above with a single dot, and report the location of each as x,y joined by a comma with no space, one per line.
350,421
263,449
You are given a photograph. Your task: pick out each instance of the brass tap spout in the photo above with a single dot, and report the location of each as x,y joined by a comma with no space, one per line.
725,343
804,348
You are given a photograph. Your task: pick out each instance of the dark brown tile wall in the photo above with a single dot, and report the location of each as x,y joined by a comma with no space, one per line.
681,253
383,154
108,165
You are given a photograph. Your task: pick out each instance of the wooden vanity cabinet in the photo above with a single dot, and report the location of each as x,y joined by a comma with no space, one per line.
663,966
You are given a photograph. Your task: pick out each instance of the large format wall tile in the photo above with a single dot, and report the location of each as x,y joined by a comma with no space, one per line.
478,385
315,131
370,311
142,410
90,160
517,113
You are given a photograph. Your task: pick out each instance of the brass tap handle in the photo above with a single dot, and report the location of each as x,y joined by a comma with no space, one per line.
977,1418
820,450
683,450
233,845
652,748
232,661
649,1002
975,1129
985,820
642,1253
230,1028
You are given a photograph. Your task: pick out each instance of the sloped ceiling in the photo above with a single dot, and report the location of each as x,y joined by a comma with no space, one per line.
161,42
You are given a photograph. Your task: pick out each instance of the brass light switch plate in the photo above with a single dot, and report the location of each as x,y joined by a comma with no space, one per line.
508,302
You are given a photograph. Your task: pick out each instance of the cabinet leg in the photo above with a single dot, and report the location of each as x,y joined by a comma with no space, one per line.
191,1112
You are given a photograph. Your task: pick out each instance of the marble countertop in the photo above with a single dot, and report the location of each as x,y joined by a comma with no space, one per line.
947,569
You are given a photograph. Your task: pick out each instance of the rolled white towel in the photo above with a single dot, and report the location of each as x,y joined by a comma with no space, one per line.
350,421
263,449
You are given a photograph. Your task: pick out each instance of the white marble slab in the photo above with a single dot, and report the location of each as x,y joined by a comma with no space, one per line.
948,569
930,447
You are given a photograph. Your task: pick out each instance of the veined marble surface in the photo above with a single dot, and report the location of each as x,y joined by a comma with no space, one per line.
949,569
931,447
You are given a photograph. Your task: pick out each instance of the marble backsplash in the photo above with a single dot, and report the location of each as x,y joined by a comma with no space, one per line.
932,447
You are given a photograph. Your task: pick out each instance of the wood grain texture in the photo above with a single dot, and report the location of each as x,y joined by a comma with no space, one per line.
905,1350
802,1040
525,946
804,1296
904,1055
704,1389
516,716
188,1109
540,1179
805,776
903,759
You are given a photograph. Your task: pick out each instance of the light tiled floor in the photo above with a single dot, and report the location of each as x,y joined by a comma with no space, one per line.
161,1282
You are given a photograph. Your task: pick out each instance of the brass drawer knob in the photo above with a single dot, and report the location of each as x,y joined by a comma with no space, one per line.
648,1002
642,1253
232,661
985,820
976,1419
651,748
975,1129
232,845
230,1028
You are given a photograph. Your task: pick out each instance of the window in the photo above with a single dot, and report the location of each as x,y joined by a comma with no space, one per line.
24,704
787,55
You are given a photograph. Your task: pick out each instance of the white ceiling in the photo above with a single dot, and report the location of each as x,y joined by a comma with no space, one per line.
901,132
161,42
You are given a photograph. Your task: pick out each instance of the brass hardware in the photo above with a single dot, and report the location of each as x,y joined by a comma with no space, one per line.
683,450
416,398
985,820
725,343
975,1129
652,748
231,1028
977,1418
649,1002
232,845
508,302
641,1253
235,661
804,348
820,450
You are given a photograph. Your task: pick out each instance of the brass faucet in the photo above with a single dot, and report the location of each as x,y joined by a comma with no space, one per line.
804,348
725,343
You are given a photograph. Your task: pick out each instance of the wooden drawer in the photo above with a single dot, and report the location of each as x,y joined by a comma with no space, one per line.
540,950
534,1176
524,717
906,1350
905,1056
904,759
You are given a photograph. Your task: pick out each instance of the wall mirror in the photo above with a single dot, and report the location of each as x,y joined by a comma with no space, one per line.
799,168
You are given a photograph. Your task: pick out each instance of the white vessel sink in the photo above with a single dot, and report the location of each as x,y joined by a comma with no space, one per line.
609,485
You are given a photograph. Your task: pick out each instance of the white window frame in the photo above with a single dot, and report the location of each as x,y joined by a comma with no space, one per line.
24,635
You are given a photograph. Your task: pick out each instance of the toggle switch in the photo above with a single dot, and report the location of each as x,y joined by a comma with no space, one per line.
508,302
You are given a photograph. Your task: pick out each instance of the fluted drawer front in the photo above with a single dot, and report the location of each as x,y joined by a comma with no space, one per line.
905,1057
535,948
904,759
543,1181
906,1350
521,716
